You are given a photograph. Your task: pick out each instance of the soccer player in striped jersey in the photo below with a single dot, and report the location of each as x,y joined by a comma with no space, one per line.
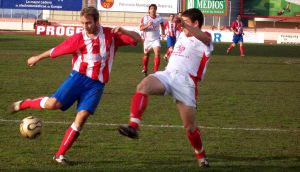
170,30
186,67
238,32
150,25
93,53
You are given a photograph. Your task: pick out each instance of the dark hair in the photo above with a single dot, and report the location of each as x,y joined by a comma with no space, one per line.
152,5
90,11
194,14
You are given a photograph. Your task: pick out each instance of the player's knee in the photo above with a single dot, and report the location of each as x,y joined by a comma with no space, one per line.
140,87
189,127
52,104
143,87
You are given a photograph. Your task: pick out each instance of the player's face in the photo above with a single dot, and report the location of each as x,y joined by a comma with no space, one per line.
179,15
238,18
171,18
89,24
152,11
188,21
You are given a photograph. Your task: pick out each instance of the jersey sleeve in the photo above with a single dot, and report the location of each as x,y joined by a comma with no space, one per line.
233,26
69,46
122,40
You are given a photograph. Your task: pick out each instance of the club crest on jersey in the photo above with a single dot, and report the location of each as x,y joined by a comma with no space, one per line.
180,49
107,3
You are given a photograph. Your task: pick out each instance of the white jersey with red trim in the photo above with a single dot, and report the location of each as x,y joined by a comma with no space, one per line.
190,55
93,57
153,32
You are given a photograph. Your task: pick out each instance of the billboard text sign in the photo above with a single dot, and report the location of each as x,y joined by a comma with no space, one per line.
68,5
209,7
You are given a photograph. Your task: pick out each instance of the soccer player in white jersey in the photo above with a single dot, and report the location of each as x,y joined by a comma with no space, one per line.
187,66
93,53
150,25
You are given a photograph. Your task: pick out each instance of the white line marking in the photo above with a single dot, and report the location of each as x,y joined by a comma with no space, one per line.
170,126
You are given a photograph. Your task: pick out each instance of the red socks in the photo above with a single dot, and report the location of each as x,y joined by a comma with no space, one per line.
156,63
230,48
145,63
70,137
138,105
242,50
169,52
195,140
34,103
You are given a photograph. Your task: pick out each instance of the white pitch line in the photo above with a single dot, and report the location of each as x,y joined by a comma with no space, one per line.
169,126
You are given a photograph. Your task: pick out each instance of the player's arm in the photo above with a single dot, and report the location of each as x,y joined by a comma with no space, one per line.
34,59
132,34
233,28
69,46
163,28
196,32
144,27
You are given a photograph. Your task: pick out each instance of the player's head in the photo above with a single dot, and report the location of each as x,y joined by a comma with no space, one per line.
89,18
179,14
192,17
171,17
238,17
152,9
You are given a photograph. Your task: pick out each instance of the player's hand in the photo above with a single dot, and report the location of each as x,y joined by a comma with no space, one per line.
150,24
163,35
117,30
32,61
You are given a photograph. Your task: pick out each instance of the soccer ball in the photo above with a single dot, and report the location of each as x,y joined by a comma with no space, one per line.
31,127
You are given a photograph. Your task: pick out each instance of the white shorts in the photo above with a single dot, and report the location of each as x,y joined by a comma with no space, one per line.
148,45
180,86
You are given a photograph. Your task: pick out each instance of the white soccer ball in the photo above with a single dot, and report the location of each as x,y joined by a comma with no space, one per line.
31,127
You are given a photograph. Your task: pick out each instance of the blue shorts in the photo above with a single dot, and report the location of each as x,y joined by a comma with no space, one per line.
80,88
171,41
237,38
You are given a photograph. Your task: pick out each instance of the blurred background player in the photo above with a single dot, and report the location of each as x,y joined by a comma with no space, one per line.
170,30
93,52
178,24
186,66
238,32
150,25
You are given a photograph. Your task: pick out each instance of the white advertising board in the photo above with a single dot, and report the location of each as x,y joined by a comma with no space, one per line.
288,38
169,6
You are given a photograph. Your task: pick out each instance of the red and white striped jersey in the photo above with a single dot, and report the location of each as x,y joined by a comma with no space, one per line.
170,28
190,56
153,32
93,57
237,26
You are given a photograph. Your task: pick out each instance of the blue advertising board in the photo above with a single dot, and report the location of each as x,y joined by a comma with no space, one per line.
67,5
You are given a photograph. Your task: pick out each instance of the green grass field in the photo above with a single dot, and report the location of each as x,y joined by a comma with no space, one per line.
248,112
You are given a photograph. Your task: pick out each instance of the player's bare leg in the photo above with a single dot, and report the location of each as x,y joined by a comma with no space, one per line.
71,136
242,51
188,117
156,58
145,63
168,54
148,86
